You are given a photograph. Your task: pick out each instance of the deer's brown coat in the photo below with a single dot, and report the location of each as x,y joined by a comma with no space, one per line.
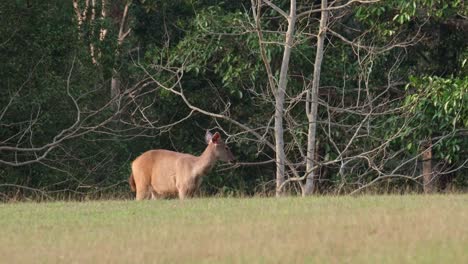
165,173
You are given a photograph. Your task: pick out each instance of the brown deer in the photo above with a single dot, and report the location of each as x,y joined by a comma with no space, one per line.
165,173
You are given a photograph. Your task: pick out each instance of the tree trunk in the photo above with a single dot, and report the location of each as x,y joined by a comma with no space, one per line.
115,82
428,176
279,103
312,103
115,90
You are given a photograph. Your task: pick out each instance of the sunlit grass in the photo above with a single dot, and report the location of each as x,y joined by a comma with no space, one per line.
370,229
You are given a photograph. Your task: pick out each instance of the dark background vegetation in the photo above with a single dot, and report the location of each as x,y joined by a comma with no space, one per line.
44,64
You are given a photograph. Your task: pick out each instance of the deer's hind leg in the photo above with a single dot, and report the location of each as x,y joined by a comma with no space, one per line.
142,184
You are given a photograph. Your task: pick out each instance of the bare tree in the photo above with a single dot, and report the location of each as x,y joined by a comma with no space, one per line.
124,30
18,147
279,90
353,110
312,101
370,106
355,115
19,150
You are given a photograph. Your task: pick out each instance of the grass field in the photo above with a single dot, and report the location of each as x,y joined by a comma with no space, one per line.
366,229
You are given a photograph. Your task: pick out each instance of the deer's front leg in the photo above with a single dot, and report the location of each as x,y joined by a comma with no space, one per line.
185,190
182,190
182,194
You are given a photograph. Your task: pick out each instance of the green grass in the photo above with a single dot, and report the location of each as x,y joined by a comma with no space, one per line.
366,229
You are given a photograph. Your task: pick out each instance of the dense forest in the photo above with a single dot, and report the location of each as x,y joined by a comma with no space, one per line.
313,97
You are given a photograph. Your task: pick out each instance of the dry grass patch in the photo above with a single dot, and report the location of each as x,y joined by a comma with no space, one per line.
367,229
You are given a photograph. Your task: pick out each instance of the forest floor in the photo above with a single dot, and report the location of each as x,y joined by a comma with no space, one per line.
364,229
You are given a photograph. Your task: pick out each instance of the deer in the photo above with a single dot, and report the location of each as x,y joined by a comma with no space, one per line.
163,173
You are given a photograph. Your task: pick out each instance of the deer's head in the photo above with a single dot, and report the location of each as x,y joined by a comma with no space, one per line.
220,149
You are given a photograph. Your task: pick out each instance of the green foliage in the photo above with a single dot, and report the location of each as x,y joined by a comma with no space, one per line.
444,99
394,14
218,47
439,107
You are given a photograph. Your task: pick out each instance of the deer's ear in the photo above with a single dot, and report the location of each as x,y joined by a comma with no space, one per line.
208,137
215,138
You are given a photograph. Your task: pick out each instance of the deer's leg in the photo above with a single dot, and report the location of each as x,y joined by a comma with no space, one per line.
142,186
142,194
182,193
185,192
154,195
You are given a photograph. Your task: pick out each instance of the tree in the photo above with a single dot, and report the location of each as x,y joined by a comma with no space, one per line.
279,90
99,82
439,118
312,101
93,28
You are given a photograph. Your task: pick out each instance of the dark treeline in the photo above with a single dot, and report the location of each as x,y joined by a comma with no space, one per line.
88,85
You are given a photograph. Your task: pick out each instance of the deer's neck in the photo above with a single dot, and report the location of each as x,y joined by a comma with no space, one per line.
205,162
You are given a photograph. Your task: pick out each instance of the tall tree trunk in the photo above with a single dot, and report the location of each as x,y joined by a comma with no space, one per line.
115,89
428,177
312,102
279,104
115,82
95,52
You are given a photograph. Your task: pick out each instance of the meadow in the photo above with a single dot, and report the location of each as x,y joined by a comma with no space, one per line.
363,229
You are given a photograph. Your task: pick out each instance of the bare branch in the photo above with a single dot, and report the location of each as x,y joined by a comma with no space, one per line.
331,8
276,8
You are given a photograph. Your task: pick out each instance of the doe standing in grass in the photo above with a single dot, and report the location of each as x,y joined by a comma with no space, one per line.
163,173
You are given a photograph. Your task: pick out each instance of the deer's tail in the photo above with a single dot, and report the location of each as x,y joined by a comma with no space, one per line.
131,182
